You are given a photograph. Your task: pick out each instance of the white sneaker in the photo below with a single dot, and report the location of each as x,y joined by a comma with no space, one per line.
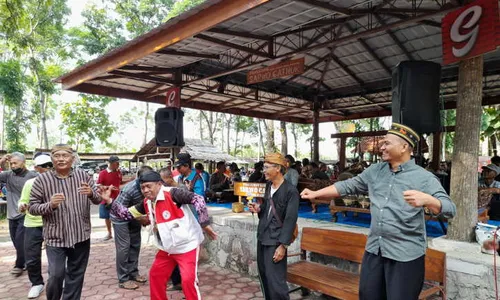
35,291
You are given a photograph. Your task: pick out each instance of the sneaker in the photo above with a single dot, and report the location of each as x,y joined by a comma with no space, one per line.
128,285
140,279
35,291
107,237
16,271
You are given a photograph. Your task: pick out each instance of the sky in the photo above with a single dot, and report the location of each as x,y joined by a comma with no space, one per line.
121,106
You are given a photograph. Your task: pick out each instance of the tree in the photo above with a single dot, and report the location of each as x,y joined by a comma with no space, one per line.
284,138
86,120
12,95
464,181
34,31
244,125
490,127
299,130
212,120
270,144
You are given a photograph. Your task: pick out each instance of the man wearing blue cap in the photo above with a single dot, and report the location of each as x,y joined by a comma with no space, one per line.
393,266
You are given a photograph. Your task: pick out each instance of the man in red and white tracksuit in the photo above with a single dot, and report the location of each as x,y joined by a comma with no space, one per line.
175,229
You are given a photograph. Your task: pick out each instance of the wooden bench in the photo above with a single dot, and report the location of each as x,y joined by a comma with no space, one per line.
350,246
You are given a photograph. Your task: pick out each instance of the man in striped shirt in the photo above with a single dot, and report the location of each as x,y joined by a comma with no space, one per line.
63,197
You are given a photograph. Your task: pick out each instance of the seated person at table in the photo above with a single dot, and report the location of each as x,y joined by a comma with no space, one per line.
317,173
257,175
489,186
219,181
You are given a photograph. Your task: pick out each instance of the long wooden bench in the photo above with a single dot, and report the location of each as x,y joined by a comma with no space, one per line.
351,246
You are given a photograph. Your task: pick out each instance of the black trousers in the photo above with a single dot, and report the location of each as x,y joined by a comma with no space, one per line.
128,247
272,275
176,276
68,266
383,278
16,230
33,239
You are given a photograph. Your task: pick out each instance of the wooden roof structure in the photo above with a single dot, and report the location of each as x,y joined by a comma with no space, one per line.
350,48
198,149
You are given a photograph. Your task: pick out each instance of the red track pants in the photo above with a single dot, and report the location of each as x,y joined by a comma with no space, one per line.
162,268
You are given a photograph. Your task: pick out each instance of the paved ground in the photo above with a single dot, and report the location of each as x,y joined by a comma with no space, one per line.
101,283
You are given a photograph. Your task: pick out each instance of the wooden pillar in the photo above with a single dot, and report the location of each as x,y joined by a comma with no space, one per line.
464,181
436,147
316,133
342,158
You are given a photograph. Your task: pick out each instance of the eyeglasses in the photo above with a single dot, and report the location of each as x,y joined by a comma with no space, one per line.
266,167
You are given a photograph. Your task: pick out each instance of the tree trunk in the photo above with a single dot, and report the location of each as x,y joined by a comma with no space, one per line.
295,143
228,125
315,136
223,124
284,138
200,119
146,117
464,181
261,140
493,145
270,145
2,142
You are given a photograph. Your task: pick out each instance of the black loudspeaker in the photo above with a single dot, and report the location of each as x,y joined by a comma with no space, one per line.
415,95
169,129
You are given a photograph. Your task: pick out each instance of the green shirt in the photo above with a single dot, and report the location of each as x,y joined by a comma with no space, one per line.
397,229
30,220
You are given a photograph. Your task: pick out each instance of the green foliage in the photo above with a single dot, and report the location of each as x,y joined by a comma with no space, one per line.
181,6
11,83
100,32
490,122
86,121
12,93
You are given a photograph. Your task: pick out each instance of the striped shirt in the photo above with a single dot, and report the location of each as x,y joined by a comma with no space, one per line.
129,196
69,223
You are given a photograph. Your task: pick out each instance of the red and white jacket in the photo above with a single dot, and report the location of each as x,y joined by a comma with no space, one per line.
177,230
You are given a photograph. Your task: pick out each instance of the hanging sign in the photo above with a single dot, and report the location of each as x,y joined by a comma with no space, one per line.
470,31
283,69
173,97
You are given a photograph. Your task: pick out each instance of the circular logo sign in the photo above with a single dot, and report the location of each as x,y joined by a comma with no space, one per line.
166,215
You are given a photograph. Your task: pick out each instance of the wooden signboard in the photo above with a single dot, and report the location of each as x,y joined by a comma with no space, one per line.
283,69
173,97
470,31
249,189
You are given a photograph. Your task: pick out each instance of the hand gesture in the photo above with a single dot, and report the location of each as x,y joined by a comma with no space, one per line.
56,200
85,189
143,220
211,233
253,207
307,194
23,207
415,198
105,193
279,254
490,245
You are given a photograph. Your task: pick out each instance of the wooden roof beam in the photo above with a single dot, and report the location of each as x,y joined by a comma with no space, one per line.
142,76
370,50
188,54
157,70
338,41
242,34
405,17
395,38
327,6
232,45
346,69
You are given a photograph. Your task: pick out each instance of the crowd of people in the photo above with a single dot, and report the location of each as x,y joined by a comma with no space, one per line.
52,206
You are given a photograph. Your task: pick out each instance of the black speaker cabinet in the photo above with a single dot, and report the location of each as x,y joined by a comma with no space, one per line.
415,95
169,129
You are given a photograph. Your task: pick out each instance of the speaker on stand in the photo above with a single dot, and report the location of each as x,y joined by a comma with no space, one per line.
169,127
415,98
